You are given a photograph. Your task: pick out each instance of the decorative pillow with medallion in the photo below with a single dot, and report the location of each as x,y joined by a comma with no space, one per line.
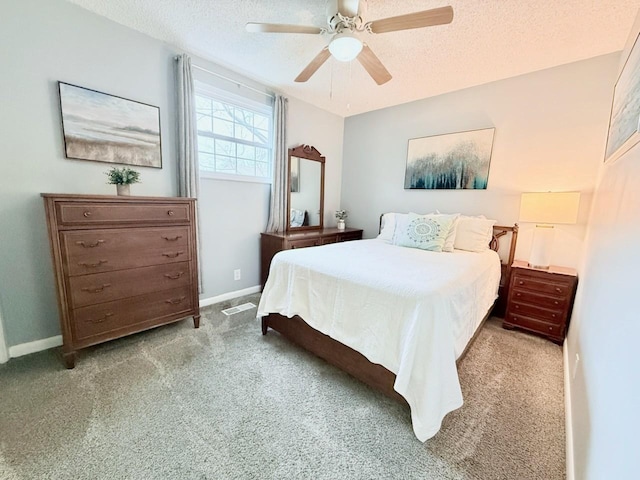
427,232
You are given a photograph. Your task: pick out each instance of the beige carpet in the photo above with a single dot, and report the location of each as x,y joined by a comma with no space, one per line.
224,402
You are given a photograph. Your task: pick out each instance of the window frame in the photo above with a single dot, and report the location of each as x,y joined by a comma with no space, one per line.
215,93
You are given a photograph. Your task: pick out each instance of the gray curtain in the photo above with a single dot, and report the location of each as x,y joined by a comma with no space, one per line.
188,169
278,205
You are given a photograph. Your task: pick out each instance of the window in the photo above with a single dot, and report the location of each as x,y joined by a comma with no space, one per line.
234,136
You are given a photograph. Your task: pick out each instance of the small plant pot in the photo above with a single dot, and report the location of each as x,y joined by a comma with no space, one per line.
124,190
341,224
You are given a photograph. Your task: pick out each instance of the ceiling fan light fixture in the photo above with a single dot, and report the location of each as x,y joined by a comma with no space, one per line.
345,47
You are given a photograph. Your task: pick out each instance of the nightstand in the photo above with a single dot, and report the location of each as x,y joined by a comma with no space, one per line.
540,301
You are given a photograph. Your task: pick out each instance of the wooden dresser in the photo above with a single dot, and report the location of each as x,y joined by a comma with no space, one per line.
272,243
122,265
541,301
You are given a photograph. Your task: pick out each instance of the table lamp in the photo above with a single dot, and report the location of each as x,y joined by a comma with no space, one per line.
545,209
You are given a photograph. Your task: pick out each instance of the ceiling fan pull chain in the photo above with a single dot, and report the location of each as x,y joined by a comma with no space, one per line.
331,82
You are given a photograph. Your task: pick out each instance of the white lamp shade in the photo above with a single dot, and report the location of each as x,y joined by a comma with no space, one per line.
345,47
549,207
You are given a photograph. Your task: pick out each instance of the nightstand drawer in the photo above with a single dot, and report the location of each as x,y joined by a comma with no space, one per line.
538,326
554,303
552,316
524,282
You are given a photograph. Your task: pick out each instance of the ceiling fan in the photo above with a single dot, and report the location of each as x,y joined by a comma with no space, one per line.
345,44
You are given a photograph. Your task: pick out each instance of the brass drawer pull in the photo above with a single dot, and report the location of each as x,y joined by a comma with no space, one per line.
90,245
520,282
86,214
550,328
556,302
517,306
553,315
174,277
99,320
170,213
96,289
558,289
518,294
172,255
175,301
92,265
172,239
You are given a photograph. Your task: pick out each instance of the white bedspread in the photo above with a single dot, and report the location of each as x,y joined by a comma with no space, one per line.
410,310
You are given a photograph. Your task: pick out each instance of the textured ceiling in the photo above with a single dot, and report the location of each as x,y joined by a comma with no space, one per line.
488,40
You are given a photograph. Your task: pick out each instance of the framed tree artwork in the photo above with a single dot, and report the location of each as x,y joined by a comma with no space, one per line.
451,161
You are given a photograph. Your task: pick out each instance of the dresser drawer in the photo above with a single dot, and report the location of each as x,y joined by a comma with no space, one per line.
535,325
106,287
328,239
105,213
122,314
551,316
106,250
347,237
304,242
524,282
554,303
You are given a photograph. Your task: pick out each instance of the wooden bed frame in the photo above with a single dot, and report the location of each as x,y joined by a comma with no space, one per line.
353,362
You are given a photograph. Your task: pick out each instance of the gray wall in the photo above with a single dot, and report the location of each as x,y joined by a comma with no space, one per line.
550,132
604,331
602,372
43,41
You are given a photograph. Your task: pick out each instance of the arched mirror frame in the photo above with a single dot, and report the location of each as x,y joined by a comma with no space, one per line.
307,152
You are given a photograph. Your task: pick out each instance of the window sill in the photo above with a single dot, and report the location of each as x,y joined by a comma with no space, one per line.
233,178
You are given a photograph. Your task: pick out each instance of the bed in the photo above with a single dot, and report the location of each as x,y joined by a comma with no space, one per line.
377,311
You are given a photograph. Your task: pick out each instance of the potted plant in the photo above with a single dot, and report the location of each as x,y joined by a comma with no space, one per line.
341,215
122,178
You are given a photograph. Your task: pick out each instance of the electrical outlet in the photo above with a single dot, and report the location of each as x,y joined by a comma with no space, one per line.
575,367
237,274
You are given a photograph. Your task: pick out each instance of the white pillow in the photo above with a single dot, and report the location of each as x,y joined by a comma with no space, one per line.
451,235
473,233
389,226
427,232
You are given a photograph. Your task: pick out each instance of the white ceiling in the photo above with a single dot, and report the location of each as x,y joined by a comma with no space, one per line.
488,40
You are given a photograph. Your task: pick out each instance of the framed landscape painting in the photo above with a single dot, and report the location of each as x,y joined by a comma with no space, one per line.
452,161
624,124
106,128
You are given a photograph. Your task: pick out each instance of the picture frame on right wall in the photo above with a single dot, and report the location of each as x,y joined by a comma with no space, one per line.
624,123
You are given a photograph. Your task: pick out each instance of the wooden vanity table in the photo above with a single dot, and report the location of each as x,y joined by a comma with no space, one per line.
305,210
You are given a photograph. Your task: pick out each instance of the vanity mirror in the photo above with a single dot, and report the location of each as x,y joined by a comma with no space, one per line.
305,190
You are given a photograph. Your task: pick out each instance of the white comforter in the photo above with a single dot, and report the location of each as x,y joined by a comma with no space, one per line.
412,311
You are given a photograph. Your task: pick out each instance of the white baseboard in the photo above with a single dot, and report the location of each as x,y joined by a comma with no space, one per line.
36,346
568,419
205,302
46,343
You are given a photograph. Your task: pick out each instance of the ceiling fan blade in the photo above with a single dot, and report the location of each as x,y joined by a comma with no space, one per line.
315,64
348,8
280,28
427,18
373,65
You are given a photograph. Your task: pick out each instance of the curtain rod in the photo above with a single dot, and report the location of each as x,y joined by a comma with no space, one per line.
240,84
